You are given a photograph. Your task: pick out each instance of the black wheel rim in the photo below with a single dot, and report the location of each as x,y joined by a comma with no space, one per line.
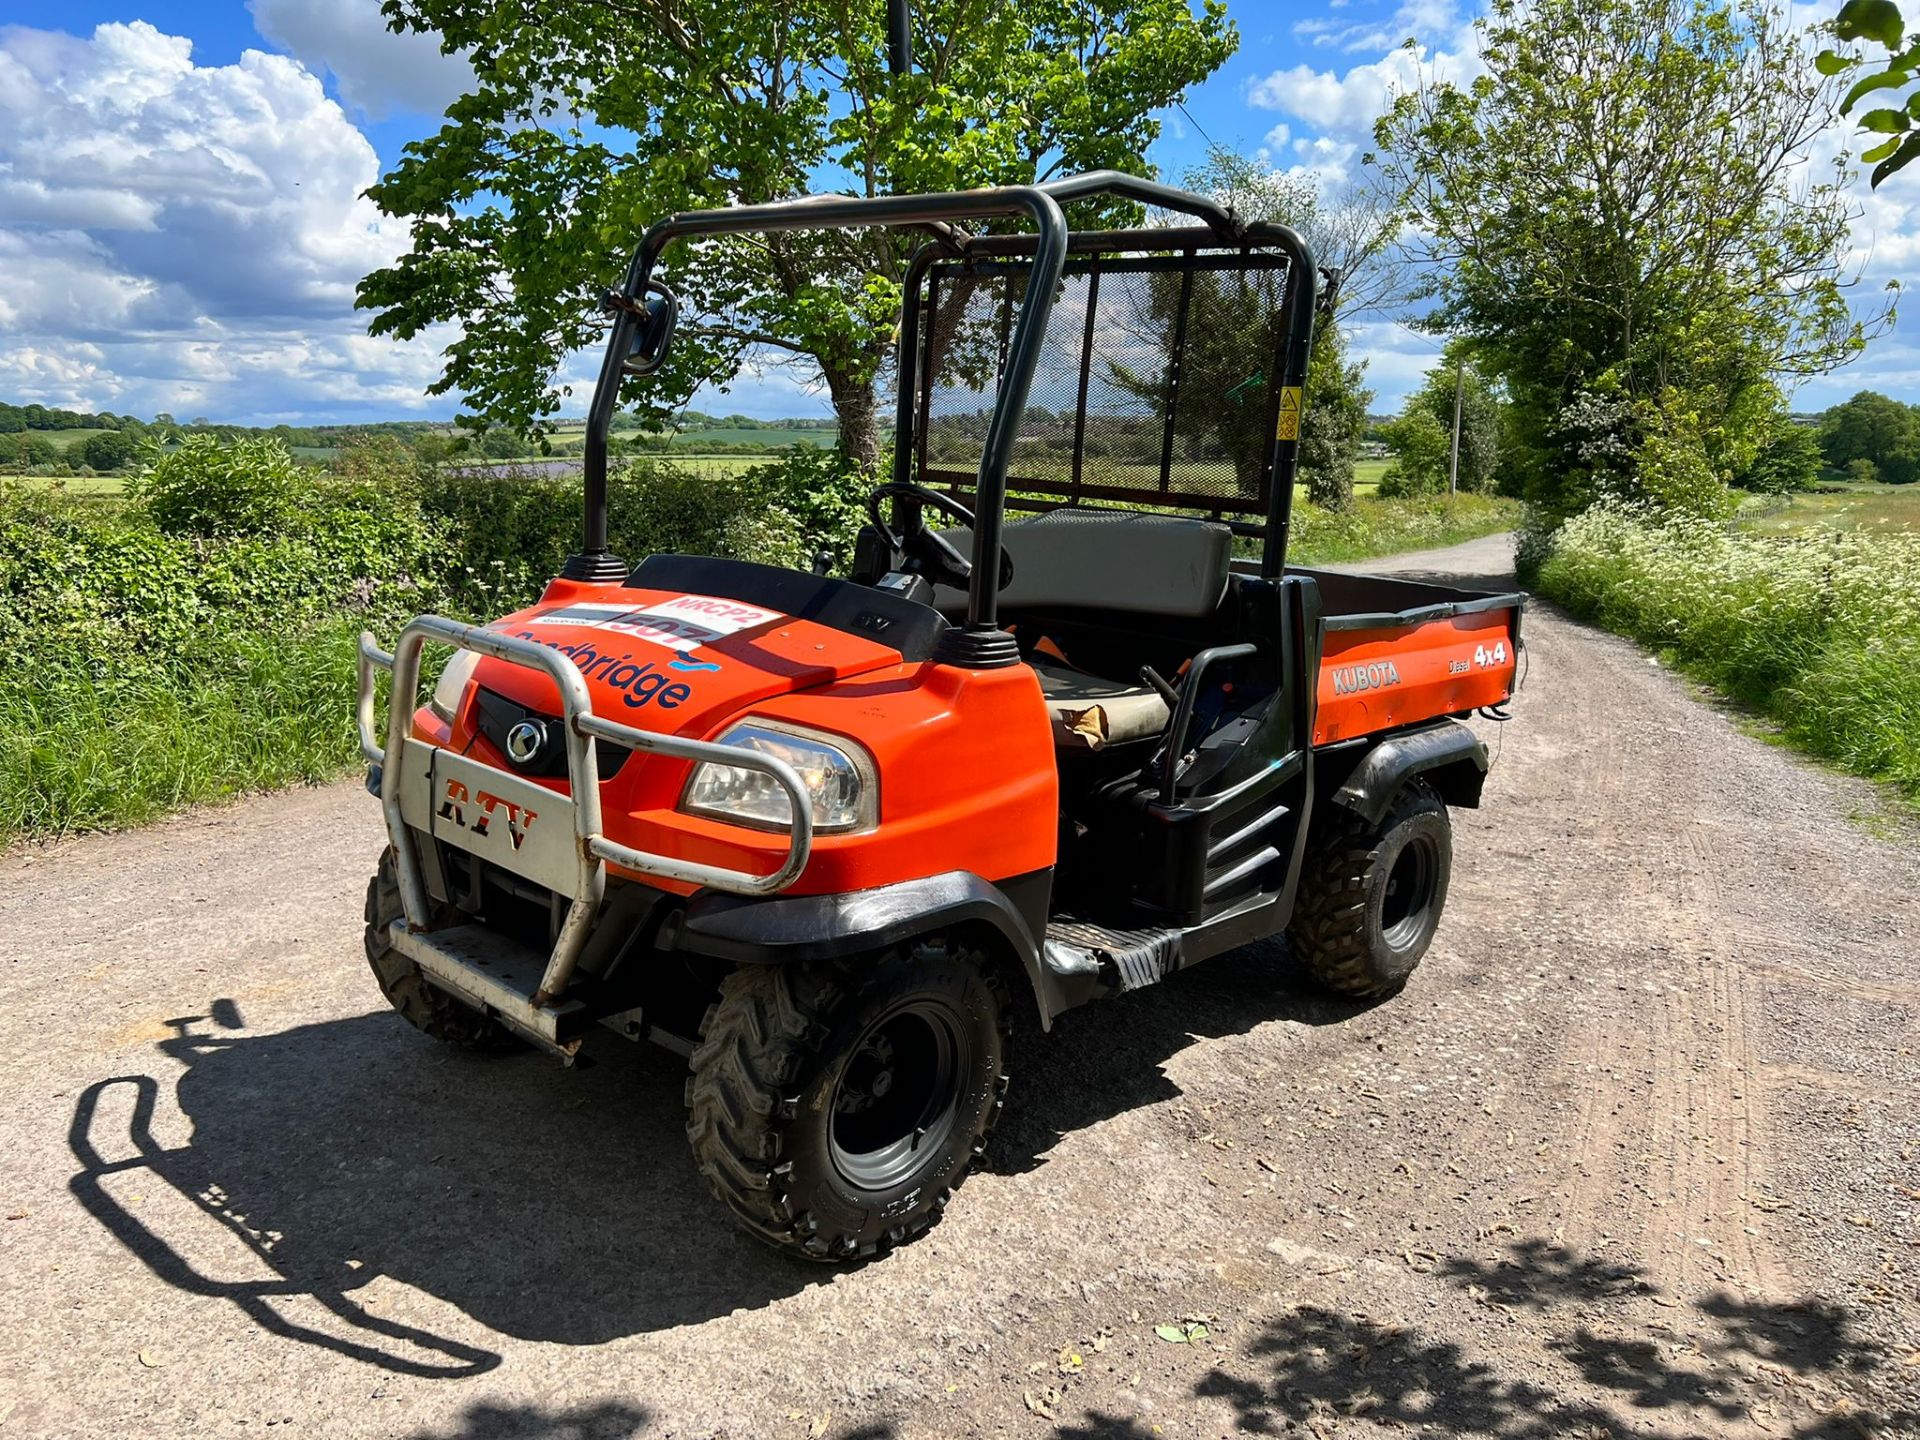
1408,902
898,1097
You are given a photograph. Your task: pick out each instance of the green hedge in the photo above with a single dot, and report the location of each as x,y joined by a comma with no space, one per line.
198,639
1820,631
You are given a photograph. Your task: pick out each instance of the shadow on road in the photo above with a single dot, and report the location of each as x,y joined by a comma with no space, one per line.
1723,1366
612,1420
546,1204
1109,1058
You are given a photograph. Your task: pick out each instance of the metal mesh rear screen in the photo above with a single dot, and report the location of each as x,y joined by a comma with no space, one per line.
1155,387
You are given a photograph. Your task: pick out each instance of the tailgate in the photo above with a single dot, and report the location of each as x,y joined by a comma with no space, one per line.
1384,671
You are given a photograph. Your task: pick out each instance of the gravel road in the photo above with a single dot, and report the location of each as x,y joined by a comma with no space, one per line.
1636,1154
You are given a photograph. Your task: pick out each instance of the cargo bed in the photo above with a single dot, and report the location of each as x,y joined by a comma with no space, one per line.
1396,652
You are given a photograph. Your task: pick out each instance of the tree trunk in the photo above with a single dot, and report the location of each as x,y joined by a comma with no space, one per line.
856,405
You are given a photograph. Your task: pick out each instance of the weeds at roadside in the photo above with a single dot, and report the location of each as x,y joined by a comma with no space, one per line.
1820,632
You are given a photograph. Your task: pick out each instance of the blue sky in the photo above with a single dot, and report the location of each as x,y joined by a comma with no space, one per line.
181,227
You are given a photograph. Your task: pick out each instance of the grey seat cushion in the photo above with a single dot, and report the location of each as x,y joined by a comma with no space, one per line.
1090,713
1109,560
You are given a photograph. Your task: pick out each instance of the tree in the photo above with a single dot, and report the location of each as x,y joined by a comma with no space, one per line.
1481,424
1352,228
1623,205
109,450
1788,459
1420,446
591,119
1333,413
30,448
1876,428
1894,122
1353,232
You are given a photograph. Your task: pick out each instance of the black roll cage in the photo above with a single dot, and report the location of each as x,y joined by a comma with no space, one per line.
1047,247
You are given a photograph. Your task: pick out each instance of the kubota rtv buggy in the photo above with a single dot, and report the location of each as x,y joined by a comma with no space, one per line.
827,835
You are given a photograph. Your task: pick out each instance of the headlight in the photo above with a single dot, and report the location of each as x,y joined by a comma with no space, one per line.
838,775
453,683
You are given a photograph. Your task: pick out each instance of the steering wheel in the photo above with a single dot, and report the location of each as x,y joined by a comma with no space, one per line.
934,553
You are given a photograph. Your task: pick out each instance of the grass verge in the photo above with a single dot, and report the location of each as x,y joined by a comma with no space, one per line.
1819,631
1391,527
244,711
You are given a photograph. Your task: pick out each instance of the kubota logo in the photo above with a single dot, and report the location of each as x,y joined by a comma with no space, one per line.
486,806
1350,679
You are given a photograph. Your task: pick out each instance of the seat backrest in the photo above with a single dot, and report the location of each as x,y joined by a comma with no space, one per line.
1108,560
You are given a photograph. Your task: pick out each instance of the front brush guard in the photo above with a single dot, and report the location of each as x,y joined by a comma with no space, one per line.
427,789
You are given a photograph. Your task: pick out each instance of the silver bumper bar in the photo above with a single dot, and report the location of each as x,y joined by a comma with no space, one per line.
411,802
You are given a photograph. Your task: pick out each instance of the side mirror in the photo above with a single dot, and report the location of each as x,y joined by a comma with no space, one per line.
654,317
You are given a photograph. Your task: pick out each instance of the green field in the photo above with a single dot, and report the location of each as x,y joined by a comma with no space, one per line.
1367,473
718,467
1835,508
571,437
66,439
84,487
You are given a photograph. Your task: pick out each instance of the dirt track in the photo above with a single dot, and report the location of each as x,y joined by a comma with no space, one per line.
1637,1154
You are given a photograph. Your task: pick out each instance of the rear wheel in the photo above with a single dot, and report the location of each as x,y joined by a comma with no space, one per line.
833,1108
1371,895
419,1004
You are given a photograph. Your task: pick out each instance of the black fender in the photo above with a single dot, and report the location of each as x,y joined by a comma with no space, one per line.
790,929
1448,756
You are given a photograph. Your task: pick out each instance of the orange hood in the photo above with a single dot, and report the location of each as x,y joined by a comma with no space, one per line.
674,663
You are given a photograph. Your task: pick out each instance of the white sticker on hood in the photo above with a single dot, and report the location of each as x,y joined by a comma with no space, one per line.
683,623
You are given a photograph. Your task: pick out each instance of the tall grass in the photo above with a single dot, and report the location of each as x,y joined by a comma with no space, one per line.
1819,631
264,710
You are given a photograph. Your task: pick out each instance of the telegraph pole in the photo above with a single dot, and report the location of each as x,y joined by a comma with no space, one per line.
1453,459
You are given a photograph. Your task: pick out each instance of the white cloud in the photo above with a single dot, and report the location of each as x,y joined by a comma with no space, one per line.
1424,20
187,238
1347,104
1398,360
376,71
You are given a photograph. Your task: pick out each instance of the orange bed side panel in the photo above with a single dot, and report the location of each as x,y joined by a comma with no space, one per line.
1393,675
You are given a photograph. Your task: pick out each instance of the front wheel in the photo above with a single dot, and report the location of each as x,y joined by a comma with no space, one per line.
1371,895
406,989
834,1108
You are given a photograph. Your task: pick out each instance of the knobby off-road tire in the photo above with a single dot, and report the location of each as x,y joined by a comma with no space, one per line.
419,1004
835,1107
1371,895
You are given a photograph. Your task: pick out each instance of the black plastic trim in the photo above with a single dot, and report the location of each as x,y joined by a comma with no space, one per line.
1423,614
877,615
795,929
1449,754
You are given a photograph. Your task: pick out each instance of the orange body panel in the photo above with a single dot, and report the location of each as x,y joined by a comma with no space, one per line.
964,758
1393,675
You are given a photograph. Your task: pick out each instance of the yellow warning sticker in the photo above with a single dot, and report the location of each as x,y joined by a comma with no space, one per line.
1289,428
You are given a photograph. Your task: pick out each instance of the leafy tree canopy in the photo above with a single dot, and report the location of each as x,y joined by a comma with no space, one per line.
1875,428
1622,208
1788,459
592,119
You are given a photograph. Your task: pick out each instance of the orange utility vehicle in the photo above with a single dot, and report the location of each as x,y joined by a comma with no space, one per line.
828,835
